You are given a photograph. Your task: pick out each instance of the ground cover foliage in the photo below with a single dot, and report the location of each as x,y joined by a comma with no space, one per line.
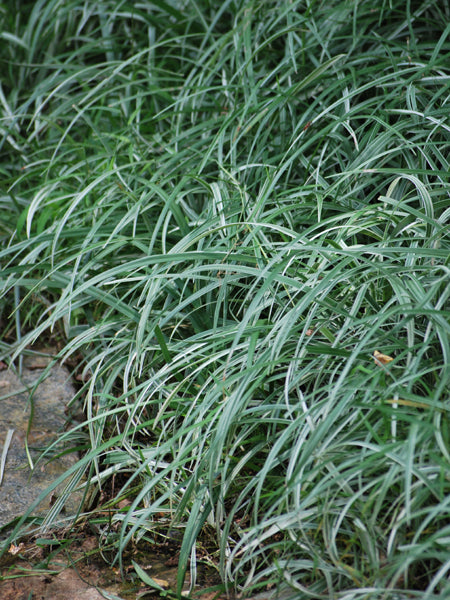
226,208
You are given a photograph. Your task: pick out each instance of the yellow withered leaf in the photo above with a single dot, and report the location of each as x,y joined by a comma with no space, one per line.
13,549
381,359
413,403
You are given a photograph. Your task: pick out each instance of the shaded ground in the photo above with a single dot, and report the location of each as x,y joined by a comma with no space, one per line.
63,564
74,569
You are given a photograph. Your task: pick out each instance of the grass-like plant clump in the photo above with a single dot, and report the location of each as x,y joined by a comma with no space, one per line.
224,209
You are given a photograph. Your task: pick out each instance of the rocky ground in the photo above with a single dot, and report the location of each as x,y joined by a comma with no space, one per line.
62,564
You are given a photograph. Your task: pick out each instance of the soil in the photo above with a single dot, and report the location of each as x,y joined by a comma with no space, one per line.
74,569
65,564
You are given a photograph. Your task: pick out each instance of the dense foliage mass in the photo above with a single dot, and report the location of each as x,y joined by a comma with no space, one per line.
224,209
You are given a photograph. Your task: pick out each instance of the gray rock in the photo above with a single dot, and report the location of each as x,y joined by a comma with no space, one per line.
21,486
